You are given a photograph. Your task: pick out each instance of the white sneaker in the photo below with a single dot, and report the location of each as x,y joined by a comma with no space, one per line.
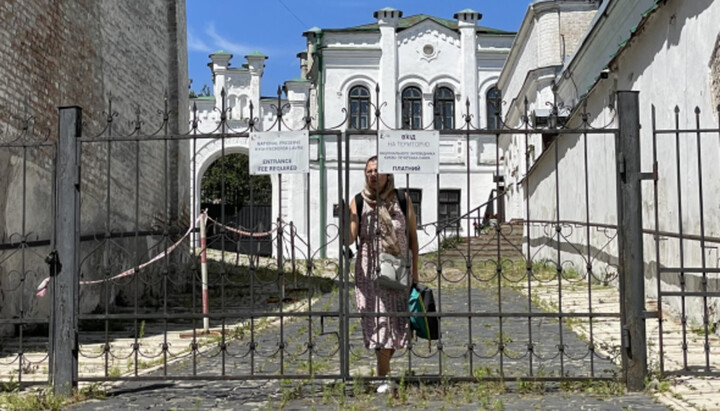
386,387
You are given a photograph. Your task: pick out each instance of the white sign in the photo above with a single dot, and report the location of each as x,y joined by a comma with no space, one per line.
409,152
279,152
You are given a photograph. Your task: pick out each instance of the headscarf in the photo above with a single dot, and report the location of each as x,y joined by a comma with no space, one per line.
387,198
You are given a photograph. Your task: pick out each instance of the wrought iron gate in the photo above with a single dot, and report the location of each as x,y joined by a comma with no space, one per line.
685,257
129,297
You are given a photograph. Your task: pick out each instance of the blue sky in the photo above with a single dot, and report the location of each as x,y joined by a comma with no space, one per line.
275,27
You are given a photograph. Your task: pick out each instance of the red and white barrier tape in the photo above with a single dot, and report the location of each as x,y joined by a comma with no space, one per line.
42,288
244,233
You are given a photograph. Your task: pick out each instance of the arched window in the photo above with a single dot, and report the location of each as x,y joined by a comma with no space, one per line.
494,108
444,109
412,108
359,108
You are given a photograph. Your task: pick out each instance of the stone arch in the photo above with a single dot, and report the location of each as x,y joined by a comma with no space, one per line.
210,152
357,80
482,90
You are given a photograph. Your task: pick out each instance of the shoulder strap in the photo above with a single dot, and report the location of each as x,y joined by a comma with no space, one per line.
359,205
402,200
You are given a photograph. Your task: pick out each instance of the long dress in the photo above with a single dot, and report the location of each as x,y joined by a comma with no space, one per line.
380,332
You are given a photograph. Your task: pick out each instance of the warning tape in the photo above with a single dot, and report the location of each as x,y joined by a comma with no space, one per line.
244,233
42,288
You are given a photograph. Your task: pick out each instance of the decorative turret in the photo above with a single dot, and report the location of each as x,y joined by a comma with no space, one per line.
256,62
220,60
467,17
388,19
388,16
467,25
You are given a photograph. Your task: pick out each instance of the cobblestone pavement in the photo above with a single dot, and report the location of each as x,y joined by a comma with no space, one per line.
484,333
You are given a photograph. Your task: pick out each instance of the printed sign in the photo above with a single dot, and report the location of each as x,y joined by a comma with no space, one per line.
409,152
279,152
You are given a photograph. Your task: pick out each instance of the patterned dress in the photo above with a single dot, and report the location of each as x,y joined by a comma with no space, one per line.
380,332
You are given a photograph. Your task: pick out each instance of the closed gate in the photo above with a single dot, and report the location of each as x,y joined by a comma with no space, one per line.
517,300
27,237
686,256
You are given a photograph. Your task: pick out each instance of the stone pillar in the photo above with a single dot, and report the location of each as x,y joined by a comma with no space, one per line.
256,65
388,73
220,63
467,24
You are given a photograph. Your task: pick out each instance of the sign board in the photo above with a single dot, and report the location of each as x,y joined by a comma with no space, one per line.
279,152
409,151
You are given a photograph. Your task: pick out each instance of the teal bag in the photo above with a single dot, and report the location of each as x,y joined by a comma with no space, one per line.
423,301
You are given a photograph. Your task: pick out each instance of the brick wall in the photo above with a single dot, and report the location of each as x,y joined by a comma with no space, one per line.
82,52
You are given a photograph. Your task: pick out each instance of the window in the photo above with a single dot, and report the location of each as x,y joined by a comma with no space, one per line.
412,108
359,108
449,211
494,108
415,195
444,109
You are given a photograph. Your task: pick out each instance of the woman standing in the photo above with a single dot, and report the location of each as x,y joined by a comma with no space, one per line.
382,210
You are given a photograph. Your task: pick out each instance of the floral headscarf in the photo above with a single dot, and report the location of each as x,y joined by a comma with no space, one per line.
386,199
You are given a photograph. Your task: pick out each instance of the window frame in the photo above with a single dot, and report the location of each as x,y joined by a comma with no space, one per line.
355,118
443,202
415,195
441,104
411,118
493,102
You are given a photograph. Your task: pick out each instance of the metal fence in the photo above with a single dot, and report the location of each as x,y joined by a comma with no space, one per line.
685,256
128,296
27,237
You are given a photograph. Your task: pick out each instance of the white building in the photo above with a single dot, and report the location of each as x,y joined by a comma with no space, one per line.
668,51
427,70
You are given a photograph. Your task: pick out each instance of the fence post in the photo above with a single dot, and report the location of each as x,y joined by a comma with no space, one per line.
630,241
65,357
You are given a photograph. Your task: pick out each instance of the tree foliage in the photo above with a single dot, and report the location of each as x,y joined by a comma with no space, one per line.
237,180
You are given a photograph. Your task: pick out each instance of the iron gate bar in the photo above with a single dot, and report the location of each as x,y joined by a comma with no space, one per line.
688,270
409,378
680,232
691,294
687,130
702,238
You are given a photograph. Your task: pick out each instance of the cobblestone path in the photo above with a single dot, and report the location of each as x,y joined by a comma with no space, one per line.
483,333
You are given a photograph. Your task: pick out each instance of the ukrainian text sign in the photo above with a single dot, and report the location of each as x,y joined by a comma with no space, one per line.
409,151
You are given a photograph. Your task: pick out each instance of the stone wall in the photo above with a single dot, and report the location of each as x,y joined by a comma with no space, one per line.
715,73
82,53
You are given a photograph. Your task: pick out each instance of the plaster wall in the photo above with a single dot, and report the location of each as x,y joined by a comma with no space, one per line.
670,62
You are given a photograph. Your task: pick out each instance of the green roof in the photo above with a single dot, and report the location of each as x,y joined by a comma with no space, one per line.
220,52
407,22
256,54
467,11
204,98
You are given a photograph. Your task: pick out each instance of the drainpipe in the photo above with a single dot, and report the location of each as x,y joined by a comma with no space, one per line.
321,143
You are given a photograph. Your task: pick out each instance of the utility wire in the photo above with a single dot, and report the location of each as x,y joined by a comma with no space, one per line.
293,14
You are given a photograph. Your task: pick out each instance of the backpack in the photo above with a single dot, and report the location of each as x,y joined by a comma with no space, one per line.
423,301
359,201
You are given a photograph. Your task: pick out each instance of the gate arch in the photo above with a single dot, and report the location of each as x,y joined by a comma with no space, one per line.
207,154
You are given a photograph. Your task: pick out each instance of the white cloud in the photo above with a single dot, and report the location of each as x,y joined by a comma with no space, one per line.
223,43
195,43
